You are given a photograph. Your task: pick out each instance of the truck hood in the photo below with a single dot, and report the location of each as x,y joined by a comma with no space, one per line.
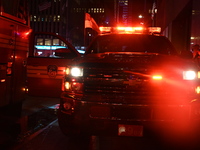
136,60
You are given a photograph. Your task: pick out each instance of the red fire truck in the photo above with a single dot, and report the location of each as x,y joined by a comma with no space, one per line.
14,45
48,57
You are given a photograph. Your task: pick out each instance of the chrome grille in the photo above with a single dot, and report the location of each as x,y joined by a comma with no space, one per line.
116,85
140,113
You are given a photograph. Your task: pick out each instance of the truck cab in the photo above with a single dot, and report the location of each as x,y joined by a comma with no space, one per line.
48,57
131,81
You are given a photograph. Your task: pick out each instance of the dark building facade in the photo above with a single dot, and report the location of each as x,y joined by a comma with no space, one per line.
48,16
180,22
178,19
66,17
174,17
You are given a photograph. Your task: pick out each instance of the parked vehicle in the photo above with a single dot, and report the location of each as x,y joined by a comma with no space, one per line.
14,46
129,82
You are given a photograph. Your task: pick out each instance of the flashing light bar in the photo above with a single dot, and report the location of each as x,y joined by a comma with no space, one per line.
154,29
105,29
130,30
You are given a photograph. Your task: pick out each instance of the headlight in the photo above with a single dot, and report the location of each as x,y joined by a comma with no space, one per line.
76,72
189,75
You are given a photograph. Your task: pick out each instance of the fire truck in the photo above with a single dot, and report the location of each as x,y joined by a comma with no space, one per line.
30,62
130,82
49,54
14,46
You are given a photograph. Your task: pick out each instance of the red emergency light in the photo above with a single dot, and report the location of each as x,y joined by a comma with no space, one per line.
129,30
154,29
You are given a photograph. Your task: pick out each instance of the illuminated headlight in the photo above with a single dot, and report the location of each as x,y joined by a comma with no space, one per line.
189,75
77,72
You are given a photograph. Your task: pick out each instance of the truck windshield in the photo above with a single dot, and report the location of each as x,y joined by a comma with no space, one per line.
132,43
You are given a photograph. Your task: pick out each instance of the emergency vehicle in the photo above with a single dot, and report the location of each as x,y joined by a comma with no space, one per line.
131,81
48,56
14,46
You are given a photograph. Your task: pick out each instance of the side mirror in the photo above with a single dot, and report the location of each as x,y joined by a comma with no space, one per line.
64,53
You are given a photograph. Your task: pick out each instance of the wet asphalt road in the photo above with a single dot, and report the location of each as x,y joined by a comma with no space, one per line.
51,138
41,132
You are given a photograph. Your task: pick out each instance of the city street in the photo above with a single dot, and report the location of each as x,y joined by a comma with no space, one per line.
99,75
44,133
52,139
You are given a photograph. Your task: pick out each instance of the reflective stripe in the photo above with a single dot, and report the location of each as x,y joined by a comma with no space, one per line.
4,36
42,72
21,44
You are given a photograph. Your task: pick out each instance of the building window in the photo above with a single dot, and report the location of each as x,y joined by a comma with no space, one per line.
96,10
39,41
54,18
58,18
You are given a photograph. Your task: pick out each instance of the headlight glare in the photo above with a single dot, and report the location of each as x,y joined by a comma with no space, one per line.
189,75
77,72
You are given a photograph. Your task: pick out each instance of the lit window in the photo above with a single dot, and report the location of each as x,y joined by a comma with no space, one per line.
47,41
55,41
39,41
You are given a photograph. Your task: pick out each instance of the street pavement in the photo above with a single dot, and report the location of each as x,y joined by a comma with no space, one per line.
37,112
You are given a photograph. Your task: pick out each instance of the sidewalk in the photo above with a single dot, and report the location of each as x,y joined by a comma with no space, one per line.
37,112
33,104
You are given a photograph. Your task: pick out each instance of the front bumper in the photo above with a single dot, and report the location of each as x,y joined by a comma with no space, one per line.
126,119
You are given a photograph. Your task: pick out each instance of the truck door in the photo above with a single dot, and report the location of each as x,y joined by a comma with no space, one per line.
45,70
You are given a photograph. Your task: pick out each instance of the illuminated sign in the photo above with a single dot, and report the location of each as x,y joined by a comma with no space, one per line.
54,47
48,47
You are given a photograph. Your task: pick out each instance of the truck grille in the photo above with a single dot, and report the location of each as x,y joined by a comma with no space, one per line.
140,112
122,86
